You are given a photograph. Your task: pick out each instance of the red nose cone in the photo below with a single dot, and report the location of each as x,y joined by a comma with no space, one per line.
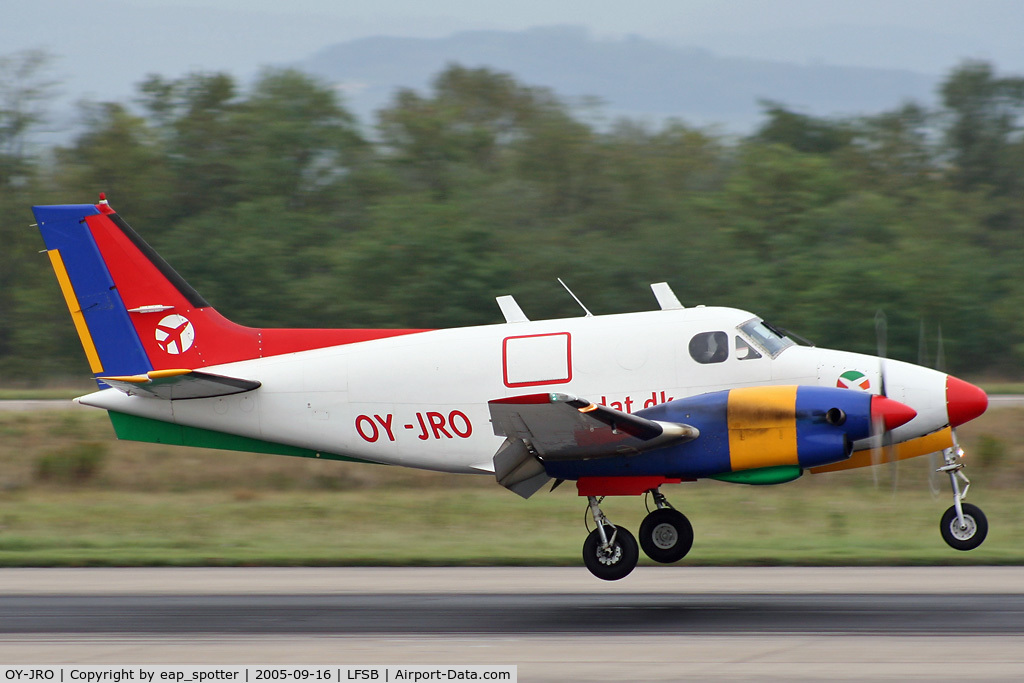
891,413
964,401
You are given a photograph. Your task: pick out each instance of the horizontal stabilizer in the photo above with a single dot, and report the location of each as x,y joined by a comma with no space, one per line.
180,384
563,427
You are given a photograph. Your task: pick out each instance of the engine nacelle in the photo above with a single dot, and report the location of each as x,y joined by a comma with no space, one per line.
752,428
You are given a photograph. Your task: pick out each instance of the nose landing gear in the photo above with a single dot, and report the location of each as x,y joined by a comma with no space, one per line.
963,526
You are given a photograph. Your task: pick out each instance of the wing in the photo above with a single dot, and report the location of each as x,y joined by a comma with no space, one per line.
540,427
179,384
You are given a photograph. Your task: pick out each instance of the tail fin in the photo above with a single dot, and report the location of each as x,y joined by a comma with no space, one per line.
134,313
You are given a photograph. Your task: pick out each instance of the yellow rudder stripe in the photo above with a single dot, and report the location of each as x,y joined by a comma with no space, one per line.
76,311
762,427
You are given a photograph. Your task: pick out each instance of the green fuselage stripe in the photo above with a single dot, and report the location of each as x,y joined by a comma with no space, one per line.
134,428
762,476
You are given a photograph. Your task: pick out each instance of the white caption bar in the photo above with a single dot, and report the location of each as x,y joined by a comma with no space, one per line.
31,673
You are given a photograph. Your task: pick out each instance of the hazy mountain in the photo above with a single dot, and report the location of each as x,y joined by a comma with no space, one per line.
105,47
913,48
631,76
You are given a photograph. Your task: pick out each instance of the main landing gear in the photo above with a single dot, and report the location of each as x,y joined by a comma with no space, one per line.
665,534
963,526
610,552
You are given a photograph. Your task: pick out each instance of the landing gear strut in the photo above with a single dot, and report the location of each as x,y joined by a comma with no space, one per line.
610,552
665,534
963,525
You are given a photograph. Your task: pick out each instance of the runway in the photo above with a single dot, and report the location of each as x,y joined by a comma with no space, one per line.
512,615
554,624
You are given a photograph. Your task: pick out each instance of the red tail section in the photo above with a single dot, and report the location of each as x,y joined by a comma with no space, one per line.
175,325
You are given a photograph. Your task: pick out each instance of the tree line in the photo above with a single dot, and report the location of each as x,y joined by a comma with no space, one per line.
284,210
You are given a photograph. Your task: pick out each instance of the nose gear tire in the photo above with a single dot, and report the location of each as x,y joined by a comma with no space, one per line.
960,538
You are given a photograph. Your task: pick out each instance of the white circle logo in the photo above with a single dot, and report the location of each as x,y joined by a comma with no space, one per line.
175,334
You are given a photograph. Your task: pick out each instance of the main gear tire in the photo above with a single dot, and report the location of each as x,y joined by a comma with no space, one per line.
666,535
615,560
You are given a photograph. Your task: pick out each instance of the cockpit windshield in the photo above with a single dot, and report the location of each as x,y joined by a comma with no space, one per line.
766,336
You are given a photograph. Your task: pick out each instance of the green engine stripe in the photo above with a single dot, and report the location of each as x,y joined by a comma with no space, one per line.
762,476
134,428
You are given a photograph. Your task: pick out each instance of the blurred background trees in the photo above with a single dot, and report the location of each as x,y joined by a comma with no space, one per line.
284,210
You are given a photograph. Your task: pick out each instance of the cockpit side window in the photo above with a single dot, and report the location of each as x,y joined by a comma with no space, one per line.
745,351
710,347
766,337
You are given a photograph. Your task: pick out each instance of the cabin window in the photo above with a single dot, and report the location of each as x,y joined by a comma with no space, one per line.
710,347
745,351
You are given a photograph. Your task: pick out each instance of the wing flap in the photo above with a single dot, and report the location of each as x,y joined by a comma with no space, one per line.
564,427
516,468
180,384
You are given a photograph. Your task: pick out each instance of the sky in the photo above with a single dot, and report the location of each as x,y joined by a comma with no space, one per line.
987,24
649,17
979,28
105,47
792,30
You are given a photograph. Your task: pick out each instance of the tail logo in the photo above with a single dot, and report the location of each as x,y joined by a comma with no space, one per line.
175,334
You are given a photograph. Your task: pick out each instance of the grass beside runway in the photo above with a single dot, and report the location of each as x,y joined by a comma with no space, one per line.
785,525
70,495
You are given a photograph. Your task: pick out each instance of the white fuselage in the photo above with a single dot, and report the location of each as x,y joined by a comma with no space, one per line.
420,400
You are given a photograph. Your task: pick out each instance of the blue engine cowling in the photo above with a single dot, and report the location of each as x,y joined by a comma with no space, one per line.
744,429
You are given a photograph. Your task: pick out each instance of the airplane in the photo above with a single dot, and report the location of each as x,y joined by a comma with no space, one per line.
620,404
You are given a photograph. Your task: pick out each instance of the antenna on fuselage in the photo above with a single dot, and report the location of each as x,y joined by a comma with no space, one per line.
585,309
667,299
511,310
